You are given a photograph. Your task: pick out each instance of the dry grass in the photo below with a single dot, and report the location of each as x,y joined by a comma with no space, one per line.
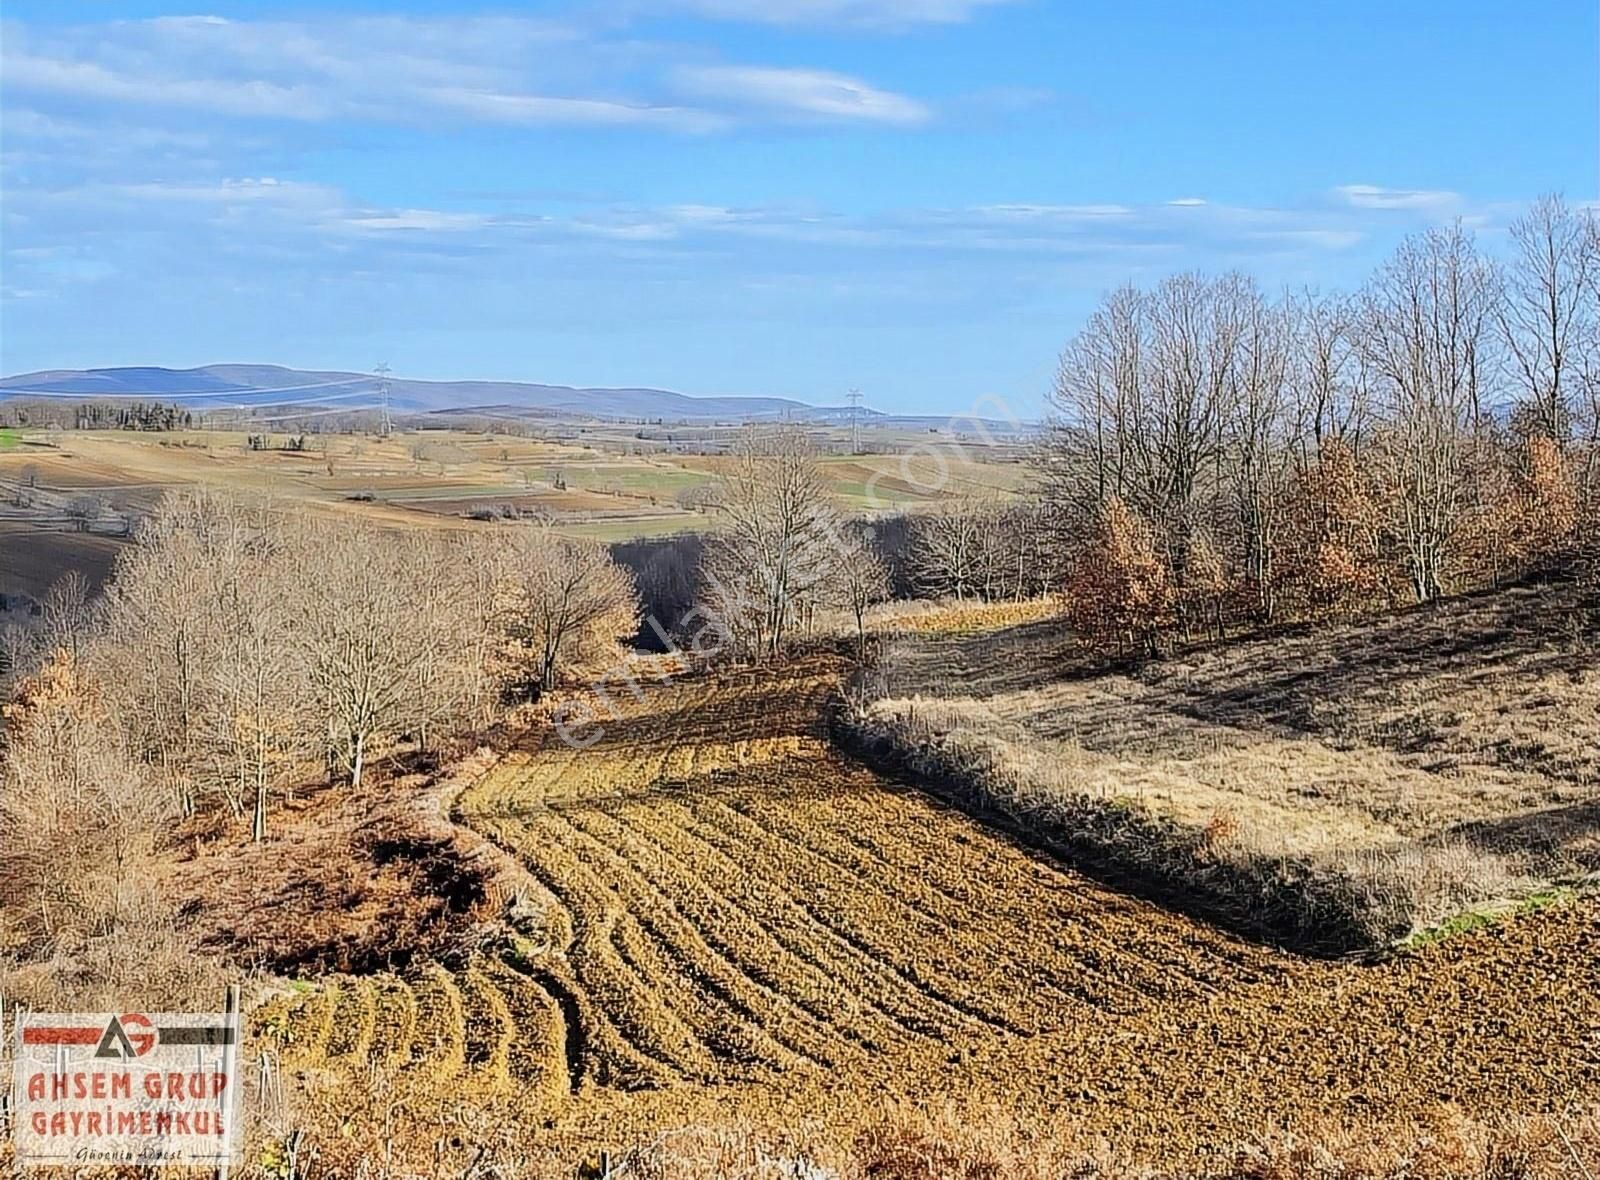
345,881
944,1141
950,616
1399,770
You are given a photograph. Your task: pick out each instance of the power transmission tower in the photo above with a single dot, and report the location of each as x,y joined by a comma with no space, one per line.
855,421
384,424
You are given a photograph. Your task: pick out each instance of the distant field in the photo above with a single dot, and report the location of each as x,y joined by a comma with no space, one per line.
33,559
634,527
438,479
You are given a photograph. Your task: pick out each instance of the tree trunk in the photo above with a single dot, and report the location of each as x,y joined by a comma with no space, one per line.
258,825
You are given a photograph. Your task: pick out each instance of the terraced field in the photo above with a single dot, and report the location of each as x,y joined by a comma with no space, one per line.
725,899
735,917
487,1029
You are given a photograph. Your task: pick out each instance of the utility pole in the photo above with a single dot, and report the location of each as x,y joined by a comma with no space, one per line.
855,421
384,424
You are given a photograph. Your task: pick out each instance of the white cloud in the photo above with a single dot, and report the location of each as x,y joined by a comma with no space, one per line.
1055,212
81,79
1370,196
808,94
863,13
422,220
530,109
497,70
250,225
265,190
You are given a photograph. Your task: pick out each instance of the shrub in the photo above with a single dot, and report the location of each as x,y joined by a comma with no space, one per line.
1119,594
79,815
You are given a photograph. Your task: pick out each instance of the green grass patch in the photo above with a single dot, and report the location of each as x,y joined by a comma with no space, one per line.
632,528
638,479
1476,919
10,438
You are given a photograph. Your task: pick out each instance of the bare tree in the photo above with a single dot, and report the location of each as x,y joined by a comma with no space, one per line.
1587,358
252,713
358,638
952,548
1425,320
1026,563
167,614
65,615
1546,313
485,586
1327,375
861,581
567,594
84,511
1142,397
766,570
1262,425
1099,387
240,640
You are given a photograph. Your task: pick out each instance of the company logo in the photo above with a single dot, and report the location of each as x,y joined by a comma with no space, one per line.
127,1036
144,1088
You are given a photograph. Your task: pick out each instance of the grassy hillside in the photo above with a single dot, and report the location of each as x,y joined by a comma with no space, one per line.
1334,785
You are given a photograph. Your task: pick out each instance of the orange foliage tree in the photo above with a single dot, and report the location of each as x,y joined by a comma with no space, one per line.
79,816
1333,556
1539,515
1120,592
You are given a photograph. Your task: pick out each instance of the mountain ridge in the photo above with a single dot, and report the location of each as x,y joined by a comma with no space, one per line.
234,385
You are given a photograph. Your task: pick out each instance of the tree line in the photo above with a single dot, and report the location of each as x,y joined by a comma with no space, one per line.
1218,457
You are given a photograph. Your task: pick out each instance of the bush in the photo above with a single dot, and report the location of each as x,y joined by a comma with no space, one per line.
1119,594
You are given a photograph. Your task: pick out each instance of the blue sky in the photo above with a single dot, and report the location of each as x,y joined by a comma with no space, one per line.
921,198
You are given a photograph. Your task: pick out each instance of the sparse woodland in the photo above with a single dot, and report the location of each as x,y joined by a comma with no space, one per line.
784,553
1219,458
240,652
1224,459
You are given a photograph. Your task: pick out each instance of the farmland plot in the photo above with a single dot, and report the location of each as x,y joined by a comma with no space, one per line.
1396,771
733,900
736,918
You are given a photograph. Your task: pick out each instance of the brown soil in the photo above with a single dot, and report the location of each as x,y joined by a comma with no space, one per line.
736,918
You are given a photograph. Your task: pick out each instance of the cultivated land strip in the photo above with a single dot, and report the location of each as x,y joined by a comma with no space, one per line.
738,916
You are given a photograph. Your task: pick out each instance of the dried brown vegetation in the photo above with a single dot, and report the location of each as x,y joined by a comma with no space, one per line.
1339,787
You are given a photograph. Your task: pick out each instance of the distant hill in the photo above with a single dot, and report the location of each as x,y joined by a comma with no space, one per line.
224,386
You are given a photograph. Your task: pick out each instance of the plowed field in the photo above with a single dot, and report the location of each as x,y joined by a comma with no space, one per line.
741,921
